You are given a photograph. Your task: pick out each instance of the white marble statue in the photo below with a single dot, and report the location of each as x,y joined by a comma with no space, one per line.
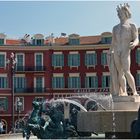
124,39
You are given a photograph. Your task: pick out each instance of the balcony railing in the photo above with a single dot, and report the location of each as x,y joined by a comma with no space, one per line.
30,90
30,68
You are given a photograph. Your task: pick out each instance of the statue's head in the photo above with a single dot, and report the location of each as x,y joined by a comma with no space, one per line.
123,11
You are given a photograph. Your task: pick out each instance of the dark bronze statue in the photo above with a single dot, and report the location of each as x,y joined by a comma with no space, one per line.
51,128
135,127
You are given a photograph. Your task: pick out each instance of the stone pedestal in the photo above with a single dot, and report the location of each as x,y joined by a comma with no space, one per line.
126,102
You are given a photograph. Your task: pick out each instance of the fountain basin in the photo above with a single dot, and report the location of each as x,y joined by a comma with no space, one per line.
102,122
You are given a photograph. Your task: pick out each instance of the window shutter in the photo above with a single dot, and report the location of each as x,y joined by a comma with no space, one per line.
6,104
95,56
102,58
103,81
53,82
78,55
69,60
138,57
96,81
79,82
87,82
53,60
62,60
86,59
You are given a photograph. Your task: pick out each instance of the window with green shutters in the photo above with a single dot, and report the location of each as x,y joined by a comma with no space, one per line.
106,40
3,82
39,84
74,60
58,82
19,84
20,62
74,82
104,58
138,56
74,41
105,81
138,79
1,41
38,42
2,60
3,104
90,59
91,82
38,61
58,60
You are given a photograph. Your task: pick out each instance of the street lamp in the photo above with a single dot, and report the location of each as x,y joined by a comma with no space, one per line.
12,61
19,108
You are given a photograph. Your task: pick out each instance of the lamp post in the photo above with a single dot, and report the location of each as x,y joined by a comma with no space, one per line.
12,60
19,106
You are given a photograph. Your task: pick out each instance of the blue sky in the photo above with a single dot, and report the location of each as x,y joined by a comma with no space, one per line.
85,18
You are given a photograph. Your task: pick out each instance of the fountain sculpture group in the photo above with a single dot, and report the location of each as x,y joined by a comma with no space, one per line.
54,126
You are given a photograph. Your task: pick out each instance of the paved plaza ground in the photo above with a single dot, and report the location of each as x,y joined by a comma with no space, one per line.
18,136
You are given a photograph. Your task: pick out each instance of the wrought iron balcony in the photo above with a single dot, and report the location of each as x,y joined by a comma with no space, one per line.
30,90
30,68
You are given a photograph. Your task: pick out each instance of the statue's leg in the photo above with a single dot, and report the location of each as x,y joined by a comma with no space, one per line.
121,78
115,81
130,78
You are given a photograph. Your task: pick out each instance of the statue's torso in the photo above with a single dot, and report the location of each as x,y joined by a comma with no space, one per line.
123,37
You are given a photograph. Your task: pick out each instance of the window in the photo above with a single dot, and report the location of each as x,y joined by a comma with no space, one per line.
74,82
38,42
105,81
3,103
19,84
90,59
58,82
91,82
74,60
1,41
138,56
3,81
2,60
74,41
58,60
106,40
20,62
39,84
104,58
138,79
38,61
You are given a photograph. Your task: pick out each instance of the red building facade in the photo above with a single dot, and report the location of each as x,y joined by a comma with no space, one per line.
54,68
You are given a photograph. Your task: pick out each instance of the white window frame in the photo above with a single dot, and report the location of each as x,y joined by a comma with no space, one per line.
42,81
23,58
91,52
4,53
5,76
36,56
61,75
